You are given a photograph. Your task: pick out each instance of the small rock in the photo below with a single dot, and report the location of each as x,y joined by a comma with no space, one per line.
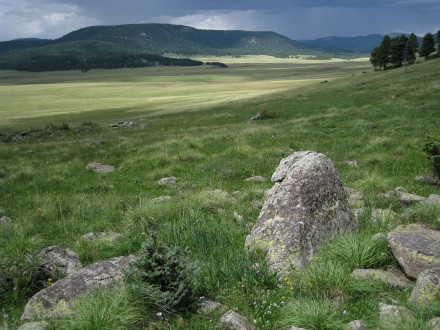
237,216
416,248
352,163
256,203
101,236
355,325
358,213
428,179
100,168
389,314
404,197
394,280
379,237
234,321
221,195
169,181
427,287
123,124
432,200
256,179
162,199
296,328
379,216
56,262
355,197
434,324
5,220
208,306
34,326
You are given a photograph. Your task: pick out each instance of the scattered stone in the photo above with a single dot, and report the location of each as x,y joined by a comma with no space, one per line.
221,195
393,279
256,203
427,287
416,248
306,207
295,328
432,200
162,199
56,262
237,216
234,321
355,197
56,300
403,196
100,168
123,124
358,213
379,237
101,236
5,220
169,181
355,325
390,314
34,326
434,324
352,163
379,216
257,178
429,179
208,306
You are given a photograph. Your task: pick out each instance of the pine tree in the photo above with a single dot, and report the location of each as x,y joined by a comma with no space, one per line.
428,45
412,49
398,50
385,52
438,42
374,57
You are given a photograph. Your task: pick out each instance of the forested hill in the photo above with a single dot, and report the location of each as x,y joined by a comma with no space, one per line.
134,45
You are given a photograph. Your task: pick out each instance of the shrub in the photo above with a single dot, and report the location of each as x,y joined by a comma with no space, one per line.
164,276
432,149
264,115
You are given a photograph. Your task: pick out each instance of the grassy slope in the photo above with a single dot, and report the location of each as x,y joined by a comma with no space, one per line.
380,119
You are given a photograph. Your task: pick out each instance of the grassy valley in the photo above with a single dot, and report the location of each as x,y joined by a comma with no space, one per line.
192,123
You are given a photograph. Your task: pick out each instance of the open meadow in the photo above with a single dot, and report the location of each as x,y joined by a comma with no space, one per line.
192,123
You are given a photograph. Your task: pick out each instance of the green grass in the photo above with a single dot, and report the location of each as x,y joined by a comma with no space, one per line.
380,119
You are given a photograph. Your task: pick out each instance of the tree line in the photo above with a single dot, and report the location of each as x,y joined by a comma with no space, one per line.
393,52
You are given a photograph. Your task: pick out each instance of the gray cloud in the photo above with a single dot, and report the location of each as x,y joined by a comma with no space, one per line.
298,19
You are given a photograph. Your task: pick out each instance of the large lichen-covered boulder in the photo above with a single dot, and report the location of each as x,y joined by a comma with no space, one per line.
56,262
305,208
416,248
56,300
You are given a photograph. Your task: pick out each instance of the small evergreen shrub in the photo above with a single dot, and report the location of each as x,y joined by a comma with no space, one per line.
164,276
432,149
264,115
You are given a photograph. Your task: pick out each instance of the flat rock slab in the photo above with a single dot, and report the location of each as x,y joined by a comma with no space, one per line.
169,181
257,178
416,248
403,196
427,287
305,208
431,200
55,301
100,168
388,277
34,326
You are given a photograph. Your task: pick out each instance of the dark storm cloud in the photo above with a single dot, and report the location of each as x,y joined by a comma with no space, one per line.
295,18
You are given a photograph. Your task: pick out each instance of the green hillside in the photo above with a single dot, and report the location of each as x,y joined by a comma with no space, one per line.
126,40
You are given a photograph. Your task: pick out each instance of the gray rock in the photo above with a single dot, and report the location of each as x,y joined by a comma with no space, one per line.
56,300
404,197
296,328
358,213
100,168
237,216
434,324
162,199
56,262
305,208
256,203
257,178
379,216
169,181
34,326
355,197
5,220
234,321
123,124
416,248
427,287
379,237
428,179
221,195
355,325
393,279
101,236
390,314
208,306
351,163
432,200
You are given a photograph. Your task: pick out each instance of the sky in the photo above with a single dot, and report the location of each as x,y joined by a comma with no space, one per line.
296,19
